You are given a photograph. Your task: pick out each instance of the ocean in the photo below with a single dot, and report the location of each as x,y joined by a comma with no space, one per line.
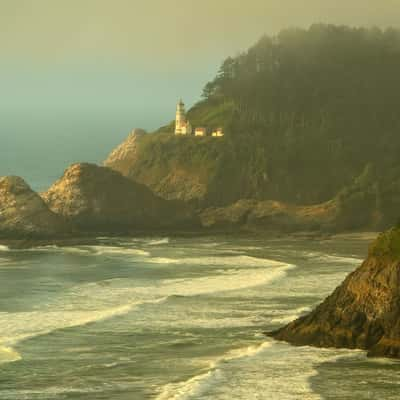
177,318
40,146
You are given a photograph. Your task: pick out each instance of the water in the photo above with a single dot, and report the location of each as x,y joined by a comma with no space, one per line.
177,319
40,146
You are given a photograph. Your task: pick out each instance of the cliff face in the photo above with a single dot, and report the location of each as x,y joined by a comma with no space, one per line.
267,215
175,168
24,214
124,155
363,312
97,198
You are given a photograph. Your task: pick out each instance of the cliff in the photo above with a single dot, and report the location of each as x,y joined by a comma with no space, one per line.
182,168
363,312
251,215
296,110
23,214
99,199
124,155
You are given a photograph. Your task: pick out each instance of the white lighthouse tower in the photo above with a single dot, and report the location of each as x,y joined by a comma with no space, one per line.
182,126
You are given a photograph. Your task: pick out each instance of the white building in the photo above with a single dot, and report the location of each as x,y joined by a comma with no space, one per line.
182,126
200,131
218,132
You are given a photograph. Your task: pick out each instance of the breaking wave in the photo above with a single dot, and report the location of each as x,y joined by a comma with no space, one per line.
233,261
196,385
157,242
290,316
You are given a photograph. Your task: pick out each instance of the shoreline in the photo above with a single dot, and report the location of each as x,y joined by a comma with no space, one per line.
93,237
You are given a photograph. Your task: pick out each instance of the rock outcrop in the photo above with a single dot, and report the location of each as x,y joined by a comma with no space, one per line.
363,312
125,154
174,168
252,215
99,199
23,214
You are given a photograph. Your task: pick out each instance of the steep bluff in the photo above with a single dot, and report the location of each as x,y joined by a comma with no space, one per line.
363,312
252,215
23,214
183,168
124,155
296,110
97,198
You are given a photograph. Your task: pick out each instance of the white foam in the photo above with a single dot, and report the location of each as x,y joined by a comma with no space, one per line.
4,248
334,258
7,354
99,250
163,260
16,327
93,250
271,371
99,301
158,242
290,315
232,261
230,280
196,385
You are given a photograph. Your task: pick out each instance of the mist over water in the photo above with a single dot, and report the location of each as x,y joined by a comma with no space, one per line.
39,147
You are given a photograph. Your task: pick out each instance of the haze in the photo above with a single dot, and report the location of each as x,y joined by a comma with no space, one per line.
77,75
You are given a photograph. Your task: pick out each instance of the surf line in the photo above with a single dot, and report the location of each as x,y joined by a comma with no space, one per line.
9,354
197,384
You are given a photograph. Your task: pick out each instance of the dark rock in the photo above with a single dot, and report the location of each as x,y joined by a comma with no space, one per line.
24,214
363,312
99,199
252,215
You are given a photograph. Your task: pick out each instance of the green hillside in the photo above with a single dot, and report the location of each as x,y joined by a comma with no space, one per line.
309,115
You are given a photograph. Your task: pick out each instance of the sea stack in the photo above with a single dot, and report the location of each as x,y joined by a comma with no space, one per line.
99,199
363,312
23,214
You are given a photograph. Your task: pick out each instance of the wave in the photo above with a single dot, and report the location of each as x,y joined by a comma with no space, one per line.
7,354
92,250
232,261
230,280
100,250
27,325
4,248
94,302
290,315
198,384
334,258
158,241
272,370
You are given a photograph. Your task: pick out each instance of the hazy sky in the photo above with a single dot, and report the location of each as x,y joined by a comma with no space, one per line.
129,53
127,62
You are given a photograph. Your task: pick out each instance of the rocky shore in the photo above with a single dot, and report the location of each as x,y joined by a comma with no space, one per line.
86,201
363,312
90,200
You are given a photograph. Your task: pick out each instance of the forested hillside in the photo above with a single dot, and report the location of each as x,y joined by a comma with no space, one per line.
309,115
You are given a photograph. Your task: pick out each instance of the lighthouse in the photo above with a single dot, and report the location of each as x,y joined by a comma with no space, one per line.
182,126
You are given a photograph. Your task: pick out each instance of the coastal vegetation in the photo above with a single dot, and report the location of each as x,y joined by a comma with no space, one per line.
310,115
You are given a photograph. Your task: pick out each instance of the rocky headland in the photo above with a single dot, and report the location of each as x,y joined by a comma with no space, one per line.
363,312
85,201
289,159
